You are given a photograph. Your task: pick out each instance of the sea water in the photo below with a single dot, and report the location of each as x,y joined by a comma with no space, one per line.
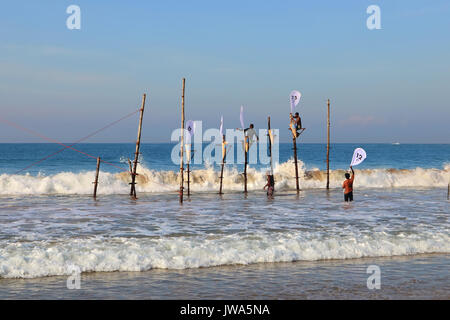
49,222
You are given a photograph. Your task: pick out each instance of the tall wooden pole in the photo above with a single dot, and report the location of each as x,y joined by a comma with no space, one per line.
182,142
224,155
131,167
189,171
294,140
246,162
96,177
138,146
328,145
269,134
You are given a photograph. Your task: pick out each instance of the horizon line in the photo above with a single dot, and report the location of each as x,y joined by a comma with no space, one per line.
281,142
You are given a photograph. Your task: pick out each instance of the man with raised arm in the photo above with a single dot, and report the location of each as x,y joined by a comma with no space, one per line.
348,186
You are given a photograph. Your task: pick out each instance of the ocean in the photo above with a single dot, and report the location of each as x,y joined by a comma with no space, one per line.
294,246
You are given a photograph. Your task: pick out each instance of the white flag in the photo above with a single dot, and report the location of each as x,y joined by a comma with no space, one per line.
190,127
188,147
294,99
221,126
358,156
242,117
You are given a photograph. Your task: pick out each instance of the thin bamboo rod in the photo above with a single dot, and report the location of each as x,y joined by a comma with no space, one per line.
270,145
188,174
224,155
297,186
245,164
328,145
138,145
131,168
96,177
182,143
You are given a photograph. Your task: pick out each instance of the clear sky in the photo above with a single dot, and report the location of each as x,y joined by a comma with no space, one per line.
388,85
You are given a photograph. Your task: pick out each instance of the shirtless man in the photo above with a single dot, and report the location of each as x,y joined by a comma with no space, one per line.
296,124
298,121
348,186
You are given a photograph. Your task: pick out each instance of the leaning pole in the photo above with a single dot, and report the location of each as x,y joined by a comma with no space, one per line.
136,154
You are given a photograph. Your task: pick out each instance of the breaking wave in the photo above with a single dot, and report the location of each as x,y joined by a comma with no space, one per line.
48,258
207,180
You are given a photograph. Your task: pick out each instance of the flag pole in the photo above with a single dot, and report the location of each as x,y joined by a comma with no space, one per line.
328,145
294,141
224,155
269,134
188,159
245,164
182,142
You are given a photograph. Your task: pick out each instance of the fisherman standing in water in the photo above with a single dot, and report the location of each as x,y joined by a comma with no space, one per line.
348,186
270,185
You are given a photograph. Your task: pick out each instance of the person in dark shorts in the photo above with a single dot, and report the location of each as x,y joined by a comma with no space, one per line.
298,121
348,186
296,124
270,185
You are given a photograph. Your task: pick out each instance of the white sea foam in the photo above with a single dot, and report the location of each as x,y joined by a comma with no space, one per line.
207,180
45,258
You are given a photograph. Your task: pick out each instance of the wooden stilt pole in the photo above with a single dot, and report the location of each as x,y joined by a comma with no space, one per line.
245,164
96,177
136,154
269,134
182,143
448,191
188,174
224,155
131,168
328,145
294,140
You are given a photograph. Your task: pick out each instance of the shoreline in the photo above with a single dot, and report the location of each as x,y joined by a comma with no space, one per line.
423,276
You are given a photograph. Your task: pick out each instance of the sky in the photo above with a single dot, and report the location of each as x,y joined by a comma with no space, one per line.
387,85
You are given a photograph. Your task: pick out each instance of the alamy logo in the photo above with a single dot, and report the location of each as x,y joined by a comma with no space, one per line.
374,20
208,147
74,20
374,280
74,280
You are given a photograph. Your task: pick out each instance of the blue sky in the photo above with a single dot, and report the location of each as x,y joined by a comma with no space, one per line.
385,85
